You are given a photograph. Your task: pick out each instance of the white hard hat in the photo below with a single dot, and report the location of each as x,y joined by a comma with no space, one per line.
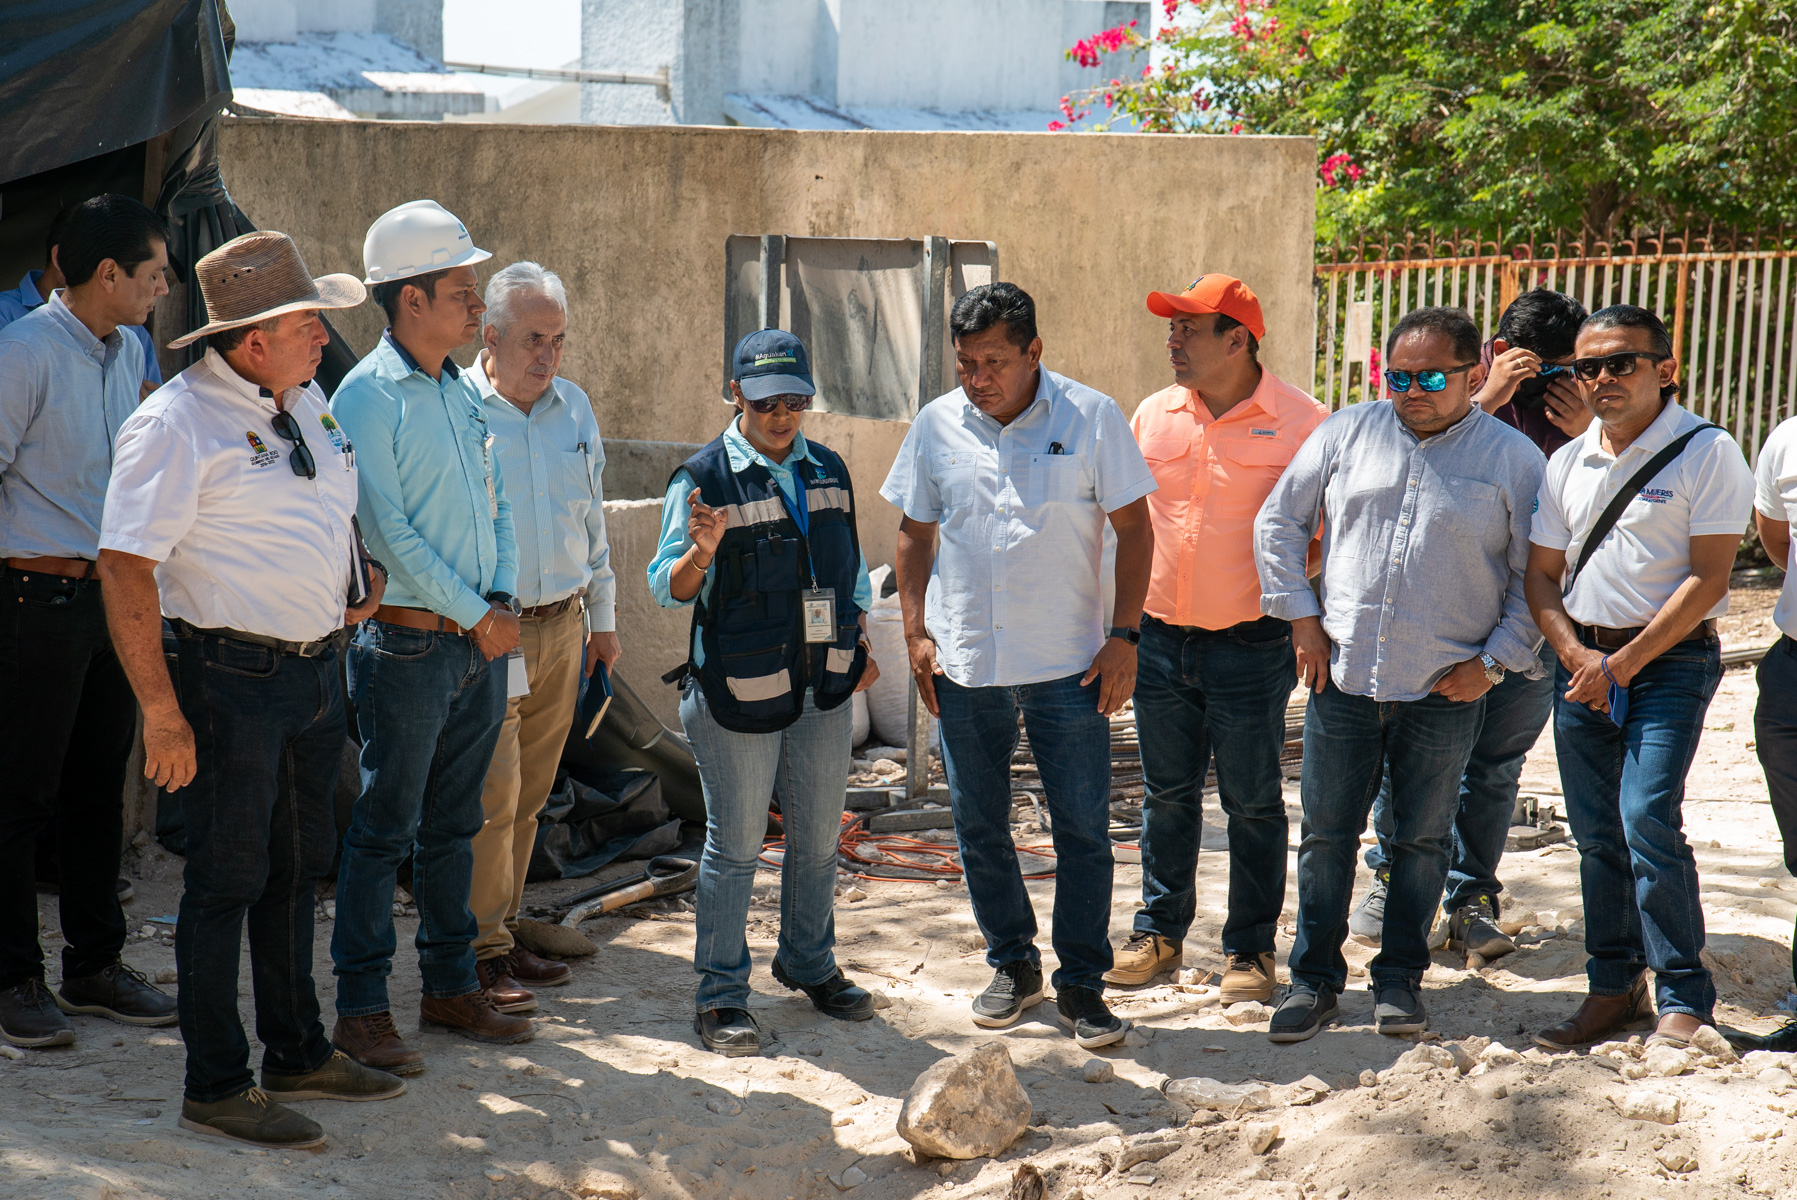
414,239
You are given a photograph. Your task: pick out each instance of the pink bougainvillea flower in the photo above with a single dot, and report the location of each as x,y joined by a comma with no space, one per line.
1056,126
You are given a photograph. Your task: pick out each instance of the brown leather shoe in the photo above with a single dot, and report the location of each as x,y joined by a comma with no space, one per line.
1600,1018
506,993
1675,1029
534,971
374,1042
473,1016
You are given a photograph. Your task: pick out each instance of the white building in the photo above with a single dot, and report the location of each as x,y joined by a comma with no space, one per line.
844,64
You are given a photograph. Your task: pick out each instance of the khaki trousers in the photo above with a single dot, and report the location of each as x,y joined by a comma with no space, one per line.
523,771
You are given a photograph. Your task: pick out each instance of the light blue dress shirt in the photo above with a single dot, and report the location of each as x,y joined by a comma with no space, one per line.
1424,543
1016,594
25,297
63,395
677,509
433,507
553,462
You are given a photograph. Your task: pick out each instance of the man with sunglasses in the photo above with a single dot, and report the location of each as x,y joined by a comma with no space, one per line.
230,518
1424,503
1639,523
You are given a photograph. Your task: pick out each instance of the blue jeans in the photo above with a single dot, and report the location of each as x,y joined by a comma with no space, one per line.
1203,693
1347,742
1625,794
1516,711
1775,740
807,764
429,707
268,736
1072,744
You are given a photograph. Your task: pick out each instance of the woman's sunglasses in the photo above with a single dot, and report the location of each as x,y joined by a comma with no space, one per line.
793,404
301,459
1429,381
1620,366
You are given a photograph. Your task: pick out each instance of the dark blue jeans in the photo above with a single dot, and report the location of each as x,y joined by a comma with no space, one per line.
1516,711
1775,739
1072,744
1347,742
268,734
1202,693
429,709
1625,795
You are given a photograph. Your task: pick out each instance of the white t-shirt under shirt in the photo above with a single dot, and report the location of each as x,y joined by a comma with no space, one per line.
1775,495
1707,490
201,483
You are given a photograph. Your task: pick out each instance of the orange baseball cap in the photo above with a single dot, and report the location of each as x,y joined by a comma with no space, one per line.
1213,294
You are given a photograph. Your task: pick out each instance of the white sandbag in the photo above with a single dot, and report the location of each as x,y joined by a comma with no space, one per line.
887,698
862,724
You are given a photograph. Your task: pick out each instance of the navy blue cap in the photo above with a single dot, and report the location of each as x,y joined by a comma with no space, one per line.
772,362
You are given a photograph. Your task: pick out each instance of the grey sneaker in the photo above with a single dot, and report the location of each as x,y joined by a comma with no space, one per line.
1302,1014
1014,987
1399,1009
1366,924
1473,930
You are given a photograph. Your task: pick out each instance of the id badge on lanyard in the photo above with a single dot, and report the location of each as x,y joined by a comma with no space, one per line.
820,603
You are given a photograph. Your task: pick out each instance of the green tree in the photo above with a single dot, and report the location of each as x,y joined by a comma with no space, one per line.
1598,116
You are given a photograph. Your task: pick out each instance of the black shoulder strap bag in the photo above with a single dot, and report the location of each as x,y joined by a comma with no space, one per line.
1606,520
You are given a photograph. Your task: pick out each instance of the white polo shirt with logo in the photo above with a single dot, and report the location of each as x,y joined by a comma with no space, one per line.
1775,495
201,483
1707,490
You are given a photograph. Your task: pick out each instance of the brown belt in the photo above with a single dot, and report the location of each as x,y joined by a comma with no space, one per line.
68,568
549,610
1615,639
416,618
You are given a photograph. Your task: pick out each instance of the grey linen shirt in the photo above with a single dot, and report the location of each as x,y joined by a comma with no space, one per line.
1424,543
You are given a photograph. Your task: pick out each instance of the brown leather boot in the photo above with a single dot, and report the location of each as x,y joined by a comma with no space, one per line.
374,1042
506,993
533,971
1601,1018
473,1016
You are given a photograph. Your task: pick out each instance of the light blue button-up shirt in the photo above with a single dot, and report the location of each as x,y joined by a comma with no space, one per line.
432,506
25,297
677,509
63,395
1424,543
553,460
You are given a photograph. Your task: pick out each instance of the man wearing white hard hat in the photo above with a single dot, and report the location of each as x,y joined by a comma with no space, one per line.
230,562
428,673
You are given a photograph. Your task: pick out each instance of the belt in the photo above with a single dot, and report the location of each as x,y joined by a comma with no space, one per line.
1257,625
550,610
332,641
1615,639
417,618
68,568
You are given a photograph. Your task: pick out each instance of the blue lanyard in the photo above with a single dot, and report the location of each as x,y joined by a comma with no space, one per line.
800,514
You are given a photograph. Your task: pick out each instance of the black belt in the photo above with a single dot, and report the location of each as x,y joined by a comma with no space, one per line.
1260,625
1602,638
333,641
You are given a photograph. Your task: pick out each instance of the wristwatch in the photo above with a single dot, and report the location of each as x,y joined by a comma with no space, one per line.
1493,671
507,601
1132,636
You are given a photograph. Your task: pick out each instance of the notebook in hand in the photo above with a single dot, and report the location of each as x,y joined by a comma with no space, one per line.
595,698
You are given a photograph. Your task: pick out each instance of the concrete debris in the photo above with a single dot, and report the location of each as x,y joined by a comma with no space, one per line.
1759,1060
1201,1093
1635,1070
1498,1055
166,975
1647,1105
1260,1136
1708,1040
1147,1147
1369,1078
1666,1061
1247,1012
1778,1079
1490,1089
1676,1162
727,1106
1424,1057
1629,1049
1138,1037
967,1106
1307,1090
1097,1070
853,895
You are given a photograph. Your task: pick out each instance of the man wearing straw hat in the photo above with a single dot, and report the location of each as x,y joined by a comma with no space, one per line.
229,557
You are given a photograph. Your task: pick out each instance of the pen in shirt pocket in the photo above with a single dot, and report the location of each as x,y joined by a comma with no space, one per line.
587,457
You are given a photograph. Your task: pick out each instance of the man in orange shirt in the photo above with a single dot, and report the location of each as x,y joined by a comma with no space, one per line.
1214,674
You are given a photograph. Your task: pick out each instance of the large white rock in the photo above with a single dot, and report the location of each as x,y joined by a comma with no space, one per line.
1647,1105
1200,1093
968,1106
1709,1040
1666,1061
1426,1056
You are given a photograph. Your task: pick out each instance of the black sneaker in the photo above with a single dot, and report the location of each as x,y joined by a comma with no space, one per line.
1782,1040
30,1018
1083,1010
1014,987
1398,1008
836,996
1302,1014
119,992
731,1032
1473,930
1366,924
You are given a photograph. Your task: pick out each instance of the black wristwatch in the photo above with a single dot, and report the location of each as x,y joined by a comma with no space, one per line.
507,601
1132,636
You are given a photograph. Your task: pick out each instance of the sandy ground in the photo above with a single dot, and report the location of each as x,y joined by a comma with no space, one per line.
614,1099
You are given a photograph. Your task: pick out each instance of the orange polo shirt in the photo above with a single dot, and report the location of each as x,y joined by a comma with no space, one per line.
1213,475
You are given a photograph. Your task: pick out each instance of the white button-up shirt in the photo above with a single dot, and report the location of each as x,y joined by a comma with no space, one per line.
1015,595
1775,495
201,484
552,459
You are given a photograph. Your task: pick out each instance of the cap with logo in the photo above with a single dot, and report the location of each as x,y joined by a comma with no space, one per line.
772,362
1213,294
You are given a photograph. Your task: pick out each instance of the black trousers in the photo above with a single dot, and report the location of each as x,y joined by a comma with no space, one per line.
67,720
1775,741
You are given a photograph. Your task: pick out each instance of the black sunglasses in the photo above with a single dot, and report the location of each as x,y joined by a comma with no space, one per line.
793,404
301,459
1429,381
1620,366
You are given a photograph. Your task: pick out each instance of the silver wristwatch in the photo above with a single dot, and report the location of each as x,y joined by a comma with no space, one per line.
1493,671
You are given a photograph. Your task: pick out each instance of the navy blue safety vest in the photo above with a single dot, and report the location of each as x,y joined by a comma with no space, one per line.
757,662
